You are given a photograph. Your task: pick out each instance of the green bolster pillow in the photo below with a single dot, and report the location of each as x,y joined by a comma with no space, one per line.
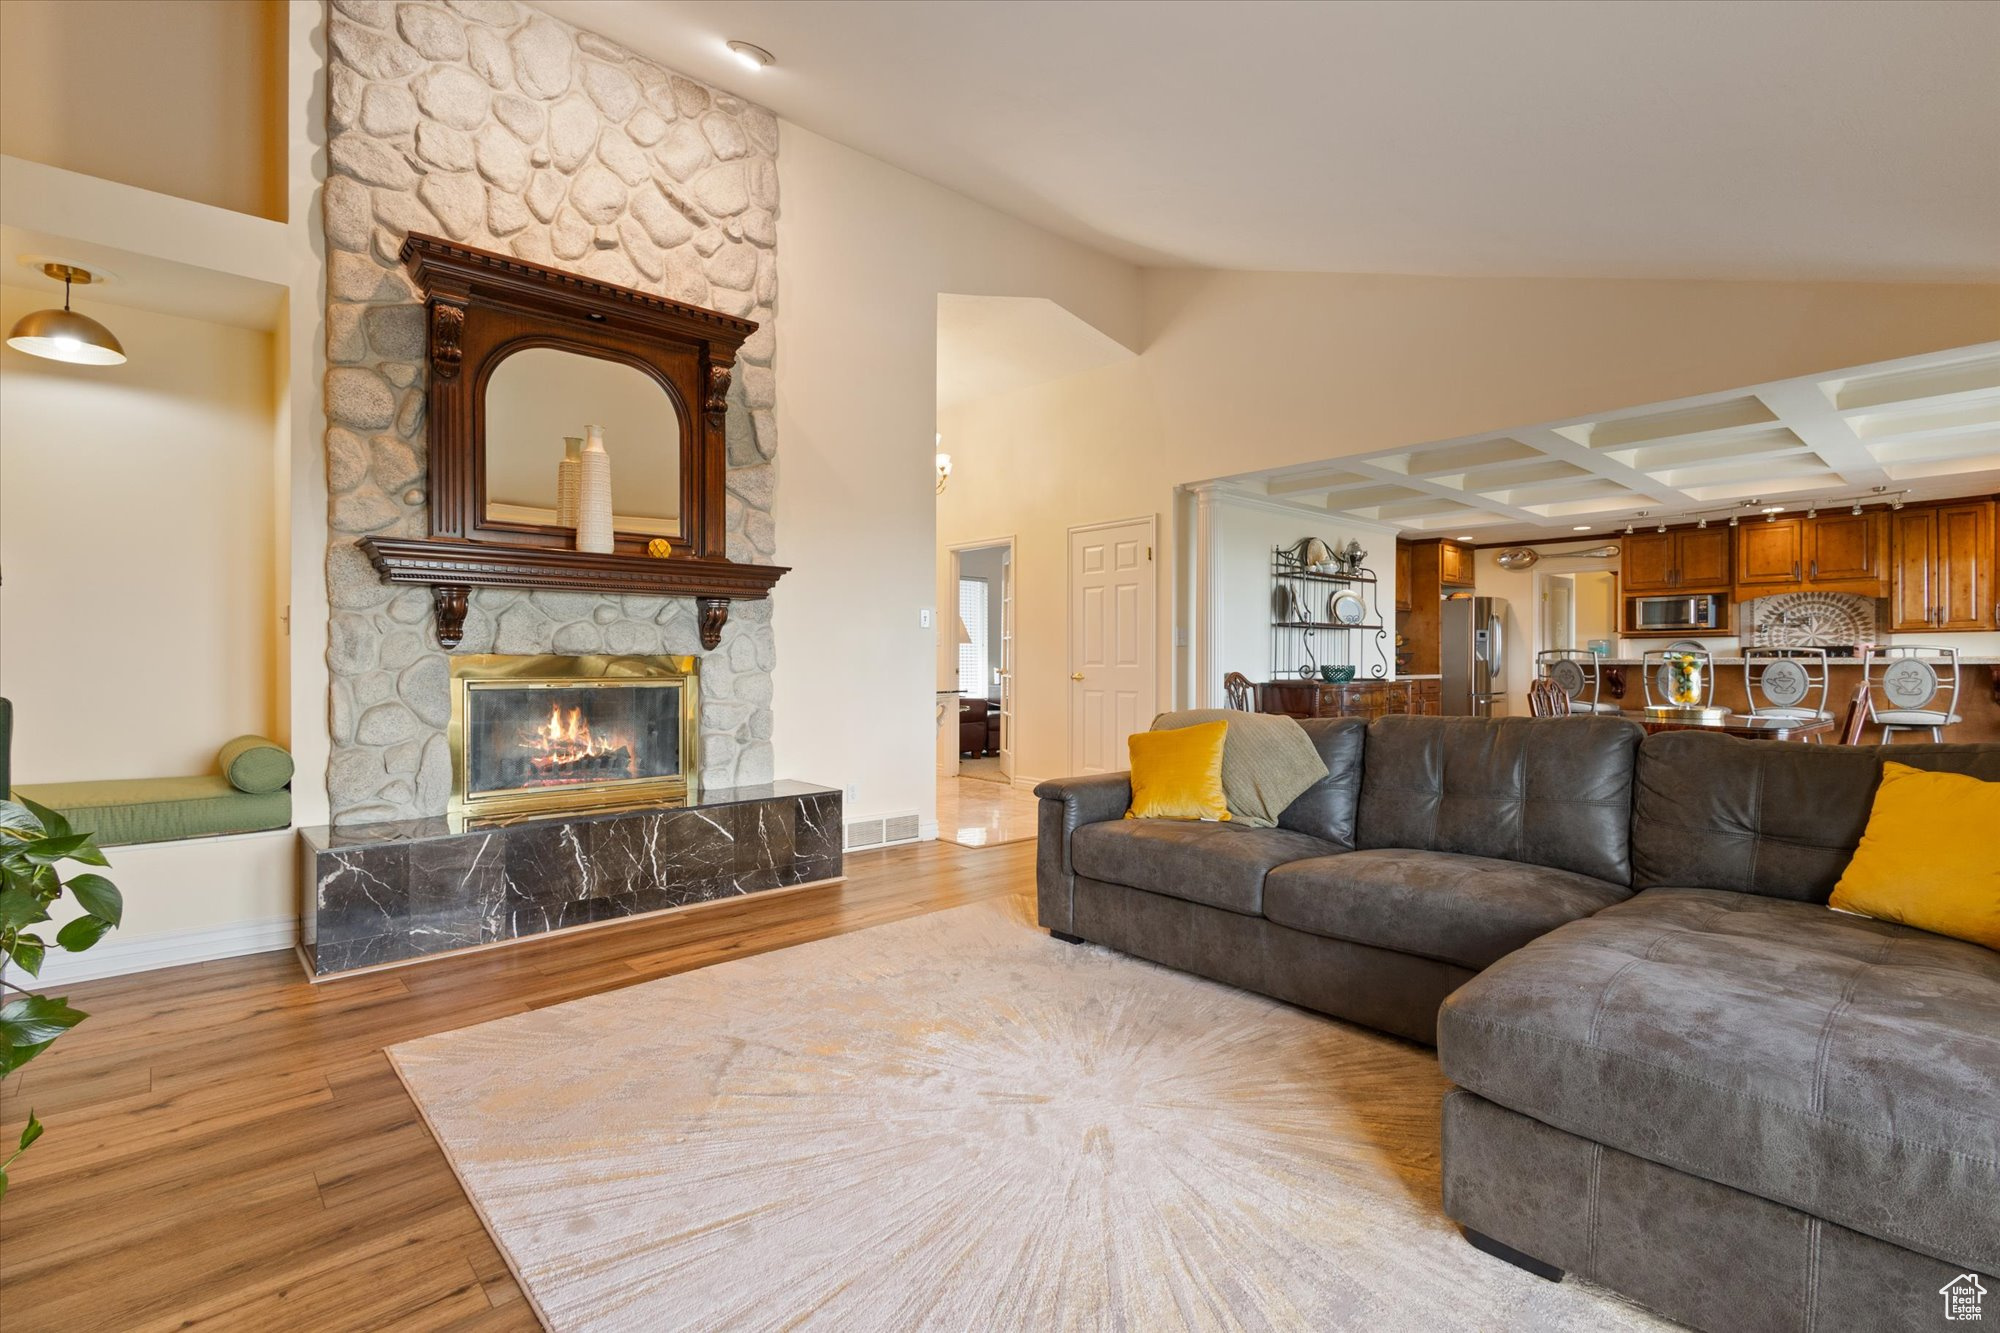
255,765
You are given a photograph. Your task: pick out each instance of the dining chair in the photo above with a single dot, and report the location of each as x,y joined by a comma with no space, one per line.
1579,674
1547,698
1912,687
1653,671
1787,683
1238,691
1857,716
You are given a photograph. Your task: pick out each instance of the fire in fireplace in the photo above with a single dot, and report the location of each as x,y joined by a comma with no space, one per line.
569,733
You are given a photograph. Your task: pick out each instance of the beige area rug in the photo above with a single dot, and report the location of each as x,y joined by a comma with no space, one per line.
956,1122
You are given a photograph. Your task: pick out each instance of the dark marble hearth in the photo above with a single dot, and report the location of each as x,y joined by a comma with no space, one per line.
390,892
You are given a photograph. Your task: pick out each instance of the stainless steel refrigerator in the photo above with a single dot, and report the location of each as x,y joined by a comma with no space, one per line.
1472,642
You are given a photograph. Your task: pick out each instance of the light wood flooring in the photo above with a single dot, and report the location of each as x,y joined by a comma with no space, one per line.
973,812
228,1148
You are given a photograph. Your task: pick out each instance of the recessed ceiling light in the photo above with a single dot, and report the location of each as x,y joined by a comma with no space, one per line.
753,57
1466,538
1774,509
1581,527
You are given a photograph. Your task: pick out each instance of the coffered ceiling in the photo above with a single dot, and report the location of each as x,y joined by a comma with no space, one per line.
1922,428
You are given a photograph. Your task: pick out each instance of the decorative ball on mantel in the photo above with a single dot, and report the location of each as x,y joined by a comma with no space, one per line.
659,548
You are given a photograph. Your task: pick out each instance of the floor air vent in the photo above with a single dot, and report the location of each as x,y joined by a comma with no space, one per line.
882,832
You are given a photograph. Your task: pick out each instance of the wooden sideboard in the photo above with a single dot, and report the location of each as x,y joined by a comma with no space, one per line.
1360,698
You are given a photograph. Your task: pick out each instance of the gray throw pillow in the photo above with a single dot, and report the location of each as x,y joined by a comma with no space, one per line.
1268,761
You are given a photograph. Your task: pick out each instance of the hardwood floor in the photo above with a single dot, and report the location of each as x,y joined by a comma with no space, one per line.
228,1147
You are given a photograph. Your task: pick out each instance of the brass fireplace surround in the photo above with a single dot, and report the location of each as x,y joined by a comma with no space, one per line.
471,671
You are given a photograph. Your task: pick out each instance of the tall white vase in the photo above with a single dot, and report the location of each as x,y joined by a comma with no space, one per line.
569,481
593,505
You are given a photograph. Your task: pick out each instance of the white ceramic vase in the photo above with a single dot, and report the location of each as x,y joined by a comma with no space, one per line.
593,505
569,481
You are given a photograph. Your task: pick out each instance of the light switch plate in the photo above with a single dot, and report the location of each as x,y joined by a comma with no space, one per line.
924,618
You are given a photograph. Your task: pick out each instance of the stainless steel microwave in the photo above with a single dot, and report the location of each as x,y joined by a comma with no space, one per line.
1702,611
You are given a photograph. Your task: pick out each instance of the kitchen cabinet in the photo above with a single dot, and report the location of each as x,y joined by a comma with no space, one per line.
1771,552
1849,549
1454,565
1404,576
1839,553
1942,564
1361,698
1835,553
1690,560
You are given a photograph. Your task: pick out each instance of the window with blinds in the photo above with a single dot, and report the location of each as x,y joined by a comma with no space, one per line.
974,652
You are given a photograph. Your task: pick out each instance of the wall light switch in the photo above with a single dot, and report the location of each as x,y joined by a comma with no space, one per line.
924,618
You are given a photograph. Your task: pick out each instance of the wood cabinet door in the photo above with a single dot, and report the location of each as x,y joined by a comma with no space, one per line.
1701,558
1767,553
1844,548
1912,548
1455,564
1962,572
1403,576
1648,562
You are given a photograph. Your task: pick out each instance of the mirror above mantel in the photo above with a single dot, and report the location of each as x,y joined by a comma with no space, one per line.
524,360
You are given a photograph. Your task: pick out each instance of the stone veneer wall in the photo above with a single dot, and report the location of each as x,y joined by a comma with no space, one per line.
494,124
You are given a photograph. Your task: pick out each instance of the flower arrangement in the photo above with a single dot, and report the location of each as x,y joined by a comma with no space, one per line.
1683,679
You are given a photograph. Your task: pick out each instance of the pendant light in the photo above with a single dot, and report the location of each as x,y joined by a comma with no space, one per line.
64,335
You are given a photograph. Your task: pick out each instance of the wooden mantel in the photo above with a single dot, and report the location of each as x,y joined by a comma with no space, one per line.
483,307
451,568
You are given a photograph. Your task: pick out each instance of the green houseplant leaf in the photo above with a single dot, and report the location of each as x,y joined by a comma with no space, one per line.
36,1019
28,951
81,933
98,896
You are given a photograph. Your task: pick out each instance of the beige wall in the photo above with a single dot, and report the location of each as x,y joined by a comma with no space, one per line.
181,96
864,250
1241,371
136,529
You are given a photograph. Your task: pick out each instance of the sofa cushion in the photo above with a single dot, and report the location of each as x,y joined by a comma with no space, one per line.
1469,910
1553,792
1841,1066
1716,812
1326,809
1217,865
1268,761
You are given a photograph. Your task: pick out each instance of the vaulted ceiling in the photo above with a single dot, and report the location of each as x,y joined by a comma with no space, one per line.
1919,428
1662,138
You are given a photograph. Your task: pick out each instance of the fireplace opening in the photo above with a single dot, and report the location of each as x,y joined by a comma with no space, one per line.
567,733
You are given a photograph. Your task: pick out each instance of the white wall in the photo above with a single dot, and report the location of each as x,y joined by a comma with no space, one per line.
136,527
1244,533
864,251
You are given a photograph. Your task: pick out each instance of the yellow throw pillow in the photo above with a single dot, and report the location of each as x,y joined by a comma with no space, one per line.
1178,774
1930,857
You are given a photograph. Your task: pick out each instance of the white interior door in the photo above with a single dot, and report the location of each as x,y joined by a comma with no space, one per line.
1007,663
1111,640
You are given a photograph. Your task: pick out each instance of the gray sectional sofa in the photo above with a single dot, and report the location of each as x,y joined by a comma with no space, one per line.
1678,1073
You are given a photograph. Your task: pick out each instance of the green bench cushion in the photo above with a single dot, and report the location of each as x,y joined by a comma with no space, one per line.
254,764
129,810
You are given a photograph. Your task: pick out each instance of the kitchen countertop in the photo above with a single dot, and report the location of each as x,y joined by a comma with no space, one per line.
1831,661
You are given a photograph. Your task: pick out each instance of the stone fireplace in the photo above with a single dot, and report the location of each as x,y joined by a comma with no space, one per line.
546,732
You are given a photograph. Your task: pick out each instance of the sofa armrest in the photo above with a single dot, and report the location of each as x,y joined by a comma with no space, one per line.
1067,805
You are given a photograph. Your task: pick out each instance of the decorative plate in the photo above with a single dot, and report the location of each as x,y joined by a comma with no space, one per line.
1814,619
1345,608
1568,676
1784,683
1909,683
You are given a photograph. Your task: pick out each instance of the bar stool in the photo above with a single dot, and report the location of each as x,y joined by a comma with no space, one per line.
1787,683
1653,672
1577,674
1913,687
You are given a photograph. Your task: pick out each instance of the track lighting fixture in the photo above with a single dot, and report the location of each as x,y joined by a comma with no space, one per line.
1856,511
1732,520
1702,524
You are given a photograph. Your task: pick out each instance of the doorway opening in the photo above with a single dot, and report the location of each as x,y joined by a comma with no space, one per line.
1577,610
981,621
